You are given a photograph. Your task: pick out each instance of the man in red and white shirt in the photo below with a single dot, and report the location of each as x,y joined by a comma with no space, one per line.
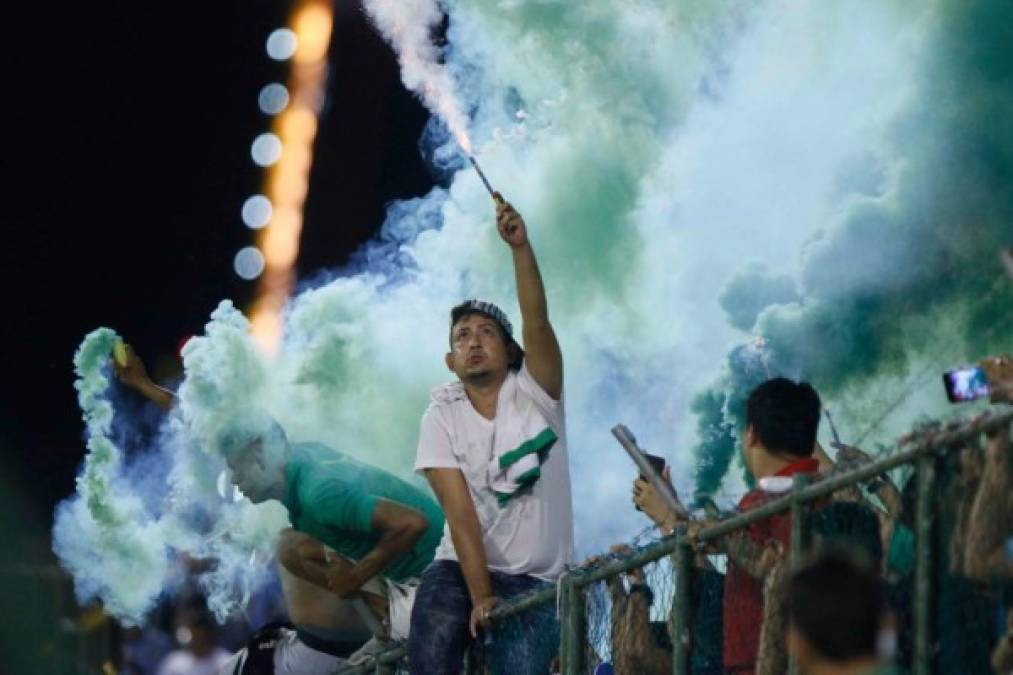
782,418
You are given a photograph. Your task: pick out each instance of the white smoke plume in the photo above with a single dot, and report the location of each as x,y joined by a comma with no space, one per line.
693,175
408,26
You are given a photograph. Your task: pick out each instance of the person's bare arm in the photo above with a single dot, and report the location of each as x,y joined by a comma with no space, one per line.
999,371
451,490
400,527
651,503
542,353
991,518
634,649
305,557
134,375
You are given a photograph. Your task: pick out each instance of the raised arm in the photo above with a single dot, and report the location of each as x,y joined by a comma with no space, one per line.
544,359
466,532
991,518
134,375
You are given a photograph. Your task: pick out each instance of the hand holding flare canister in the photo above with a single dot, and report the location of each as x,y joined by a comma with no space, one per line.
629,443
120,353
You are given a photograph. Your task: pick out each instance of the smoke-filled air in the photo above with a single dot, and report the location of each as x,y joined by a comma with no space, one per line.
717,192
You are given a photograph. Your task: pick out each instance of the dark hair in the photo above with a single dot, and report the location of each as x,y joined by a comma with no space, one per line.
246,429
785,416
515,355
849,525
835,603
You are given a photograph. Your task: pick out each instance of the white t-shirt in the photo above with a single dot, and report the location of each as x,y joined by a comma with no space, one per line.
185,662
533,533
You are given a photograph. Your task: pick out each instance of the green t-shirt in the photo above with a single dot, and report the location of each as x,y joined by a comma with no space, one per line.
331,497
901,556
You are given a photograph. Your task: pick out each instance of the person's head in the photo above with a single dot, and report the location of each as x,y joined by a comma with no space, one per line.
834,610
781,420
255,448
482,347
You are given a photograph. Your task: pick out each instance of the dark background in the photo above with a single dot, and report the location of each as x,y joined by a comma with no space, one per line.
126,164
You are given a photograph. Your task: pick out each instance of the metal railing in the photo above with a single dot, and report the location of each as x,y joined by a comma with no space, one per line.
572,587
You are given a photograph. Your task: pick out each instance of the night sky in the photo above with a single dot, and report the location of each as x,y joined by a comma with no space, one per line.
127,163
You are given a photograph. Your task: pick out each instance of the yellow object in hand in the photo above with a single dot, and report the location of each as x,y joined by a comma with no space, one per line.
120,353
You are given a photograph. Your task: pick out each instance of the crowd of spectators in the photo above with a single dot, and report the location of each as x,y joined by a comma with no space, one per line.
743,617
848,609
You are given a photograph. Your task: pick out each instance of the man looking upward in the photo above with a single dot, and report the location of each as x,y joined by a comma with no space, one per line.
492,445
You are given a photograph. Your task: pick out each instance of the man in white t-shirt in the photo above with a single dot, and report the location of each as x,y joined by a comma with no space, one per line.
493,447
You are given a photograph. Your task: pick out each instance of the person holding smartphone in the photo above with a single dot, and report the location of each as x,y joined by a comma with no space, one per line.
999,372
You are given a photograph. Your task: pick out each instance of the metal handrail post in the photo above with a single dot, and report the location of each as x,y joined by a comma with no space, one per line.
682,607
925,477
574,608
799,536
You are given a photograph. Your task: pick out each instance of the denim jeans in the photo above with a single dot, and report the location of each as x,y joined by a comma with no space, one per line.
524,644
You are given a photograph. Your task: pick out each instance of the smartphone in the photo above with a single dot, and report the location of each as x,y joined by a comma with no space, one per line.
965,384
657,463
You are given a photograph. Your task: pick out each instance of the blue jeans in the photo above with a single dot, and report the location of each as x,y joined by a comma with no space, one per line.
524,644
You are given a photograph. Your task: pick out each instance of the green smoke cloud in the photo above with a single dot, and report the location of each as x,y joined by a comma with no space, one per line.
908,275
104,535
116,543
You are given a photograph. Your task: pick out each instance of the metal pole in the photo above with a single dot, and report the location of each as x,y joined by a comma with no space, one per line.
925,477
681,608
799,535
522,603
799,531
571,653
374,663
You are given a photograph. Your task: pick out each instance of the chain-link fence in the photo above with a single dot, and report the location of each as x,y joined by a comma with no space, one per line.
935,515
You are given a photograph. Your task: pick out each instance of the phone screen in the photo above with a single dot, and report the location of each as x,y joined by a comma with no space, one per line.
965,384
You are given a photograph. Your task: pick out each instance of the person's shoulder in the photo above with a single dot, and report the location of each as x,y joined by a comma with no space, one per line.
529,385
443,401
753,498
327,479
314,450
447,395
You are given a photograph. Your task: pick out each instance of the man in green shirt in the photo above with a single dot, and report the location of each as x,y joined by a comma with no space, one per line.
364,532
